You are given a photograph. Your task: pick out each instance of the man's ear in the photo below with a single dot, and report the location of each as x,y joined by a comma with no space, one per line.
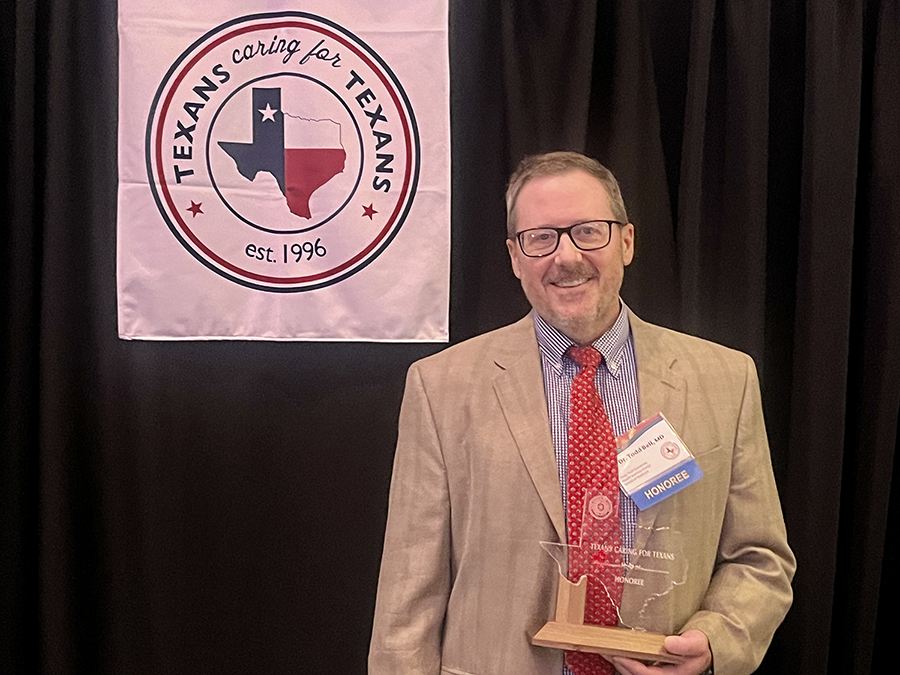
627,243
513,257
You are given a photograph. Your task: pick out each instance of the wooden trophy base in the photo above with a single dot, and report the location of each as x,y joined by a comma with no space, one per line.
571,633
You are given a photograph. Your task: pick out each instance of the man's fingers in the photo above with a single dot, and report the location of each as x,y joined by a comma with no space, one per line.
691,643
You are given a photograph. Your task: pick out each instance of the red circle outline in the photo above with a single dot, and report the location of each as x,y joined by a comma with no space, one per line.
163,110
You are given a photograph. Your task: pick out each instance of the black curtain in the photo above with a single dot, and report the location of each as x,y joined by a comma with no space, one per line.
219,507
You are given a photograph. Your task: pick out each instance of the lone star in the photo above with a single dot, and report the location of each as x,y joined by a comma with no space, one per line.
369,211
268,113
195,208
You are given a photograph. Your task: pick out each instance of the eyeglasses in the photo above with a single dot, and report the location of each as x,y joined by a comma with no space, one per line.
587,236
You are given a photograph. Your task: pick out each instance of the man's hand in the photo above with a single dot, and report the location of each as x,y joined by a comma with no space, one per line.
693,645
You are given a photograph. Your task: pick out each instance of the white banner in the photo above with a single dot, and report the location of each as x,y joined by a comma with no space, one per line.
284,170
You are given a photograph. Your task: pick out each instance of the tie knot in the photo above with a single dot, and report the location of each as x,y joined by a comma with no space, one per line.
586,357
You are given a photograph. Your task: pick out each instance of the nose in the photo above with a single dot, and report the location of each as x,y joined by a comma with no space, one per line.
566,251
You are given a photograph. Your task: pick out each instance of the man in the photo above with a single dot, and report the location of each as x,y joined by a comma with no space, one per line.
483,461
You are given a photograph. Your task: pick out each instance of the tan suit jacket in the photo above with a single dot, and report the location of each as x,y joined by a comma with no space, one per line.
465,584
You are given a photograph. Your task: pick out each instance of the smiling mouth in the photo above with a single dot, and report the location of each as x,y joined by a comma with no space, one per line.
572,276
570,283
572,280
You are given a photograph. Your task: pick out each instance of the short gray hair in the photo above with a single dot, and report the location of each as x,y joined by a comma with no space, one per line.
555,164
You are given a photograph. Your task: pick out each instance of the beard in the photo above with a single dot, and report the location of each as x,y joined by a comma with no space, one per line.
582,324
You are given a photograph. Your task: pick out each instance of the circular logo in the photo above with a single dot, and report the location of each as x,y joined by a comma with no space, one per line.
669,450
600,507
282,152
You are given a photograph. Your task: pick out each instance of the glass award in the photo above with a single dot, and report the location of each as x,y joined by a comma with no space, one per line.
635,576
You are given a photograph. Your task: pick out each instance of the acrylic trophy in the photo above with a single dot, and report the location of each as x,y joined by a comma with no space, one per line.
636,576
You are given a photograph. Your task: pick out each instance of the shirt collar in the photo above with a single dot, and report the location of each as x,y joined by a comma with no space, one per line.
553,343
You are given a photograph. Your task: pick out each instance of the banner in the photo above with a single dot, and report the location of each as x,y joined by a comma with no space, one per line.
284,170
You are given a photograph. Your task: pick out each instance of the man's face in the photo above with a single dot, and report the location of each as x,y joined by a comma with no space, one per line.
575,291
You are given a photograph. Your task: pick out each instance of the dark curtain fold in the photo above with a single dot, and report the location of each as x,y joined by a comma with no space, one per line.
867,558
193,507
545,72
20,241
823,316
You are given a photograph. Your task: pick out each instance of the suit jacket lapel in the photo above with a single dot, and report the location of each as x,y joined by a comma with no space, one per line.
519,385
660,389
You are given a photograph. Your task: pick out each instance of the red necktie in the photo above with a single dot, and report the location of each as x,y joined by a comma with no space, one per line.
592,507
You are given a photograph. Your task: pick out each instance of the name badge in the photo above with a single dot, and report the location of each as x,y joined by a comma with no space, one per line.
654,463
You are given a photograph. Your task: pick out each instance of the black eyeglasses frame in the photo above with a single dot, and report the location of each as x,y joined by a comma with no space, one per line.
567,230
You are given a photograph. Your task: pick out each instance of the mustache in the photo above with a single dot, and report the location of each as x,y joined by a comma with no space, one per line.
570,273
